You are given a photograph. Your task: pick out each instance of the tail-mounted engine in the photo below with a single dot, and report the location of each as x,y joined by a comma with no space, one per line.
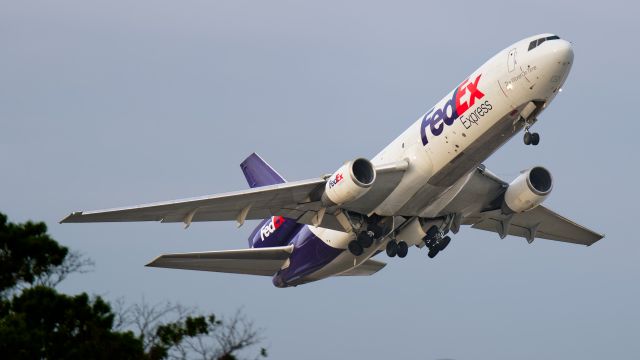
351,181
527,191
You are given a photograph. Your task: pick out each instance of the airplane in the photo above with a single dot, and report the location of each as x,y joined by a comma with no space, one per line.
425,184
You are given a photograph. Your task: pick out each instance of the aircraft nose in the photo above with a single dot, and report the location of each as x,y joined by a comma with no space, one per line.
556,58
561,58
562,51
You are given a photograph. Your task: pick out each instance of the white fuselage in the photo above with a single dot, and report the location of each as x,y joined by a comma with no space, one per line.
443,146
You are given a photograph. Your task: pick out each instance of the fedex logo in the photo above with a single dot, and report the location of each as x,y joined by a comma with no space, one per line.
463,98
270,227
333,182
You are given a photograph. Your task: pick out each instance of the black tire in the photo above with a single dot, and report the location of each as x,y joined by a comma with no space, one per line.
431,233
535,139
392,248
365,240
403,249
433,253
444,243
355,248
527,138
377,230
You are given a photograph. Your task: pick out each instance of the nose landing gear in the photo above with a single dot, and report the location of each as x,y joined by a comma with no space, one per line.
531,138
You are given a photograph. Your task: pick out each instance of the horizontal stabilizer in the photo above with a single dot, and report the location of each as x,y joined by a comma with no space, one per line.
367,268
257,261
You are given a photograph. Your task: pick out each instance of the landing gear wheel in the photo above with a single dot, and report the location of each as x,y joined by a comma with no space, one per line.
444,242
527,138
376,230
433,252
355,248
431,233
535,139
392,248
403,249
364,239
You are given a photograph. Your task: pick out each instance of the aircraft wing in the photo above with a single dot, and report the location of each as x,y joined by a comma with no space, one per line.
299,200
258,203
539,222
256,261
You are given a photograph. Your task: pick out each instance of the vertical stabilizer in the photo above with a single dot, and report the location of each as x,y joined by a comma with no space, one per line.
259,173
274,230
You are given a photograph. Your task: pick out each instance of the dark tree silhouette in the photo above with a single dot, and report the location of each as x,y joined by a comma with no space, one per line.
38,322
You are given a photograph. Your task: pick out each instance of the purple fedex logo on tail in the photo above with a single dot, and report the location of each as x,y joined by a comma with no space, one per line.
452,109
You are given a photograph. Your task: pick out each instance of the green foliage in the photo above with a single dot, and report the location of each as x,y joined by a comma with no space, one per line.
172,334
37,322
26,253
41,323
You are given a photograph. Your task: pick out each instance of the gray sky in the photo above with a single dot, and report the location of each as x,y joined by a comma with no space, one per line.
113,103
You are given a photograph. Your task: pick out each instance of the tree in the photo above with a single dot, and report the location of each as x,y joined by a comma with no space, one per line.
41,323
29,256
36,321
177,332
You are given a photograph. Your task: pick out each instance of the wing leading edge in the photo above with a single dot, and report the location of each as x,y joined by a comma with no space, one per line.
299,200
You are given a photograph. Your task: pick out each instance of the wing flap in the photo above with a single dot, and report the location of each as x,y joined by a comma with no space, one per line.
257,261
539,222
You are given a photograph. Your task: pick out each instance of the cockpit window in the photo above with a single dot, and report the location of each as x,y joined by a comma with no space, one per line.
535,43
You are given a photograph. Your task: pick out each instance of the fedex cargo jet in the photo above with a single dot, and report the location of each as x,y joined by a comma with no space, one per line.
422,187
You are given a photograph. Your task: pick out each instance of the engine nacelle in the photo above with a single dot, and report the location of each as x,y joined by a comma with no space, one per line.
528,190
349,182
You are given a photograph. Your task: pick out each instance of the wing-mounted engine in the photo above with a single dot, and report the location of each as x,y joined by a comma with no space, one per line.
349,182
527,191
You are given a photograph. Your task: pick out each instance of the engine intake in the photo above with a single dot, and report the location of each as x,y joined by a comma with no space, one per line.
349,182
528,190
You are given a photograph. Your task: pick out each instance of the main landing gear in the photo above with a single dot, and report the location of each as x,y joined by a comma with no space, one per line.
436,241
368,229
362,241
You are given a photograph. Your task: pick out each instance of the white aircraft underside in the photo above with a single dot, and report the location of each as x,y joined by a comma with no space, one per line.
428,182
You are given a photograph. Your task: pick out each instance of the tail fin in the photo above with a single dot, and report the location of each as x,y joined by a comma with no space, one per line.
274,230
259,173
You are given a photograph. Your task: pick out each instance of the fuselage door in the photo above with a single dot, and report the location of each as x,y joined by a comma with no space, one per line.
511,61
